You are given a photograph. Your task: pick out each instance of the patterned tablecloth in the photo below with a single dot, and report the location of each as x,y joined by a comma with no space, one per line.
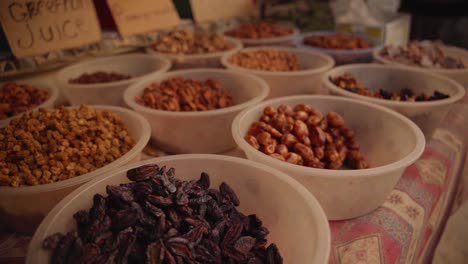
405,229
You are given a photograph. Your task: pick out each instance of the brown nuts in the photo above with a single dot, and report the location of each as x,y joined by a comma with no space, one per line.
267,59
259,30
336,41
321,141
17,98
99,77
47,146
180,94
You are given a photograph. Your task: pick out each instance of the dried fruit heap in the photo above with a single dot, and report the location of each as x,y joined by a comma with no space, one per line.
180,94
47,146
305,136
266,60
337,41
259,30
158,218
99,77
17,98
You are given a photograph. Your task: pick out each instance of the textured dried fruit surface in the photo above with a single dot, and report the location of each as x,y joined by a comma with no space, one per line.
47,146
349,83
17,98
266,60
99,77
304,136
171,221
180,94
337,41
185,42
259,30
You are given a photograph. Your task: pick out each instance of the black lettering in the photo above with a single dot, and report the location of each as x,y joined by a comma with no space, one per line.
17,13
53,6
26,44
67,29
72,5
32,10
59,32
49,37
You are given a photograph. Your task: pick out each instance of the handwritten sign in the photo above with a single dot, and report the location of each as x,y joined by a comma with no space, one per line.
140,16
210,10
36,27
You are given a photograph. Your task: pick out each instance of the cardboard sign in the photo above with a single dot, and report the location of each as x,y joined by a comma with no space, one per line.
140,16
36,27
210,10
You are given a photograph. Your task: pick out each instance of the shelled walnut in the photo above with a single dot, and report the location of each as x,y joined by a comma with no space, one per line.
267,59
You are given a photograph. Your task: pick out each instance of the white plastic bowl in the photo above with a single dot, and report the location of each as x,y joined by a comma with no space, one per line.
306,81
135,65
39,84
22,208
190,61
390,142
275,41
296,222
459,75
204,131
427,115
343,56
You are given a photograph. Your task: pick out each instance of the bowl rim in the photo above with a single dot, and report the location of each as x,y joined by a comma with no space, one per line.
59,79
38,84
458,95
97,173
156,78
212,55
379,58
328,64
324,235
266,41
407,160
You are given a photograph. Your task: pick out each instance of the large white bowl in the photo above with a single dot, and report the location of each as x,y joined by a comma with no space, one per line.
427,115
190,61
390,141
296,222
274,41
306,81
459,75
203,131
23,208
39,84
110,93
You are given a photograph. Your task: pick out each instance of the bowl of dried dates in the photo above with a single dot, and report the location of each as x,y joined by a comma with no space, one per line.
261,33
429,56
17,97
288,71
423,97
191,111
47,153
349,154
101,81
186,209
193,49
344,48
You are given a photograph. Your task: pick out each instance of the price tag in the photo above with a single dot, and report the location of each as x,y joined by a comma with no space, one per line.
140,16
36,27
209,10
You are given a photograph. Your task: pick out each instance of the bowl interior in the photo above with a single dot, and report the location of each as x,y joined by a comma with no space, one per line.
295,220
385,137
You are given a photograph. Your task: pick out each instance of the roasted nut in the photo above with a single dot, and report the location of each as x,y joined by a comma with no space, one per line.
278,156
17,98
289,140
319,152
252,141
269,148
286,109
282,150
317,136
300,129
304,151
264,138
335,119
301,115
294,158
99,77
259,30
268,59
269,111
337,41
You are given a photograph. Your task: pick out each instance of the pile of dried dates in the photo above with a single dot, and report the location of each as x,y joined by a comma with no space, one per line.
160,219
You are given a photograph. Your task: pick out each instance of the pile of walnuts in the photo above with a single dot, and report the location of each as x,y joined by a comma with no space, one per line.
260,30
266,60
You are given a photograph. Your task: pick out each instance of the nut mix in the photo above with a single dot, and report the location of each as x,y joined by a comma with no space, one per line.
305,136
259,30
425,54
180,94
184,42
157,218
266,60
47,146
99,77
351,84
337,41
17,98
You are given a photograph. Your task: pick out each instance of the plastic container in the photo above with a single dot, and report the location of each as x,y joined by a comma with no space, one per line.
306,81
295,220
190,61
427,115
136,65
343,56
203,131
390,142
275,41
459,75
49,103
22,208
